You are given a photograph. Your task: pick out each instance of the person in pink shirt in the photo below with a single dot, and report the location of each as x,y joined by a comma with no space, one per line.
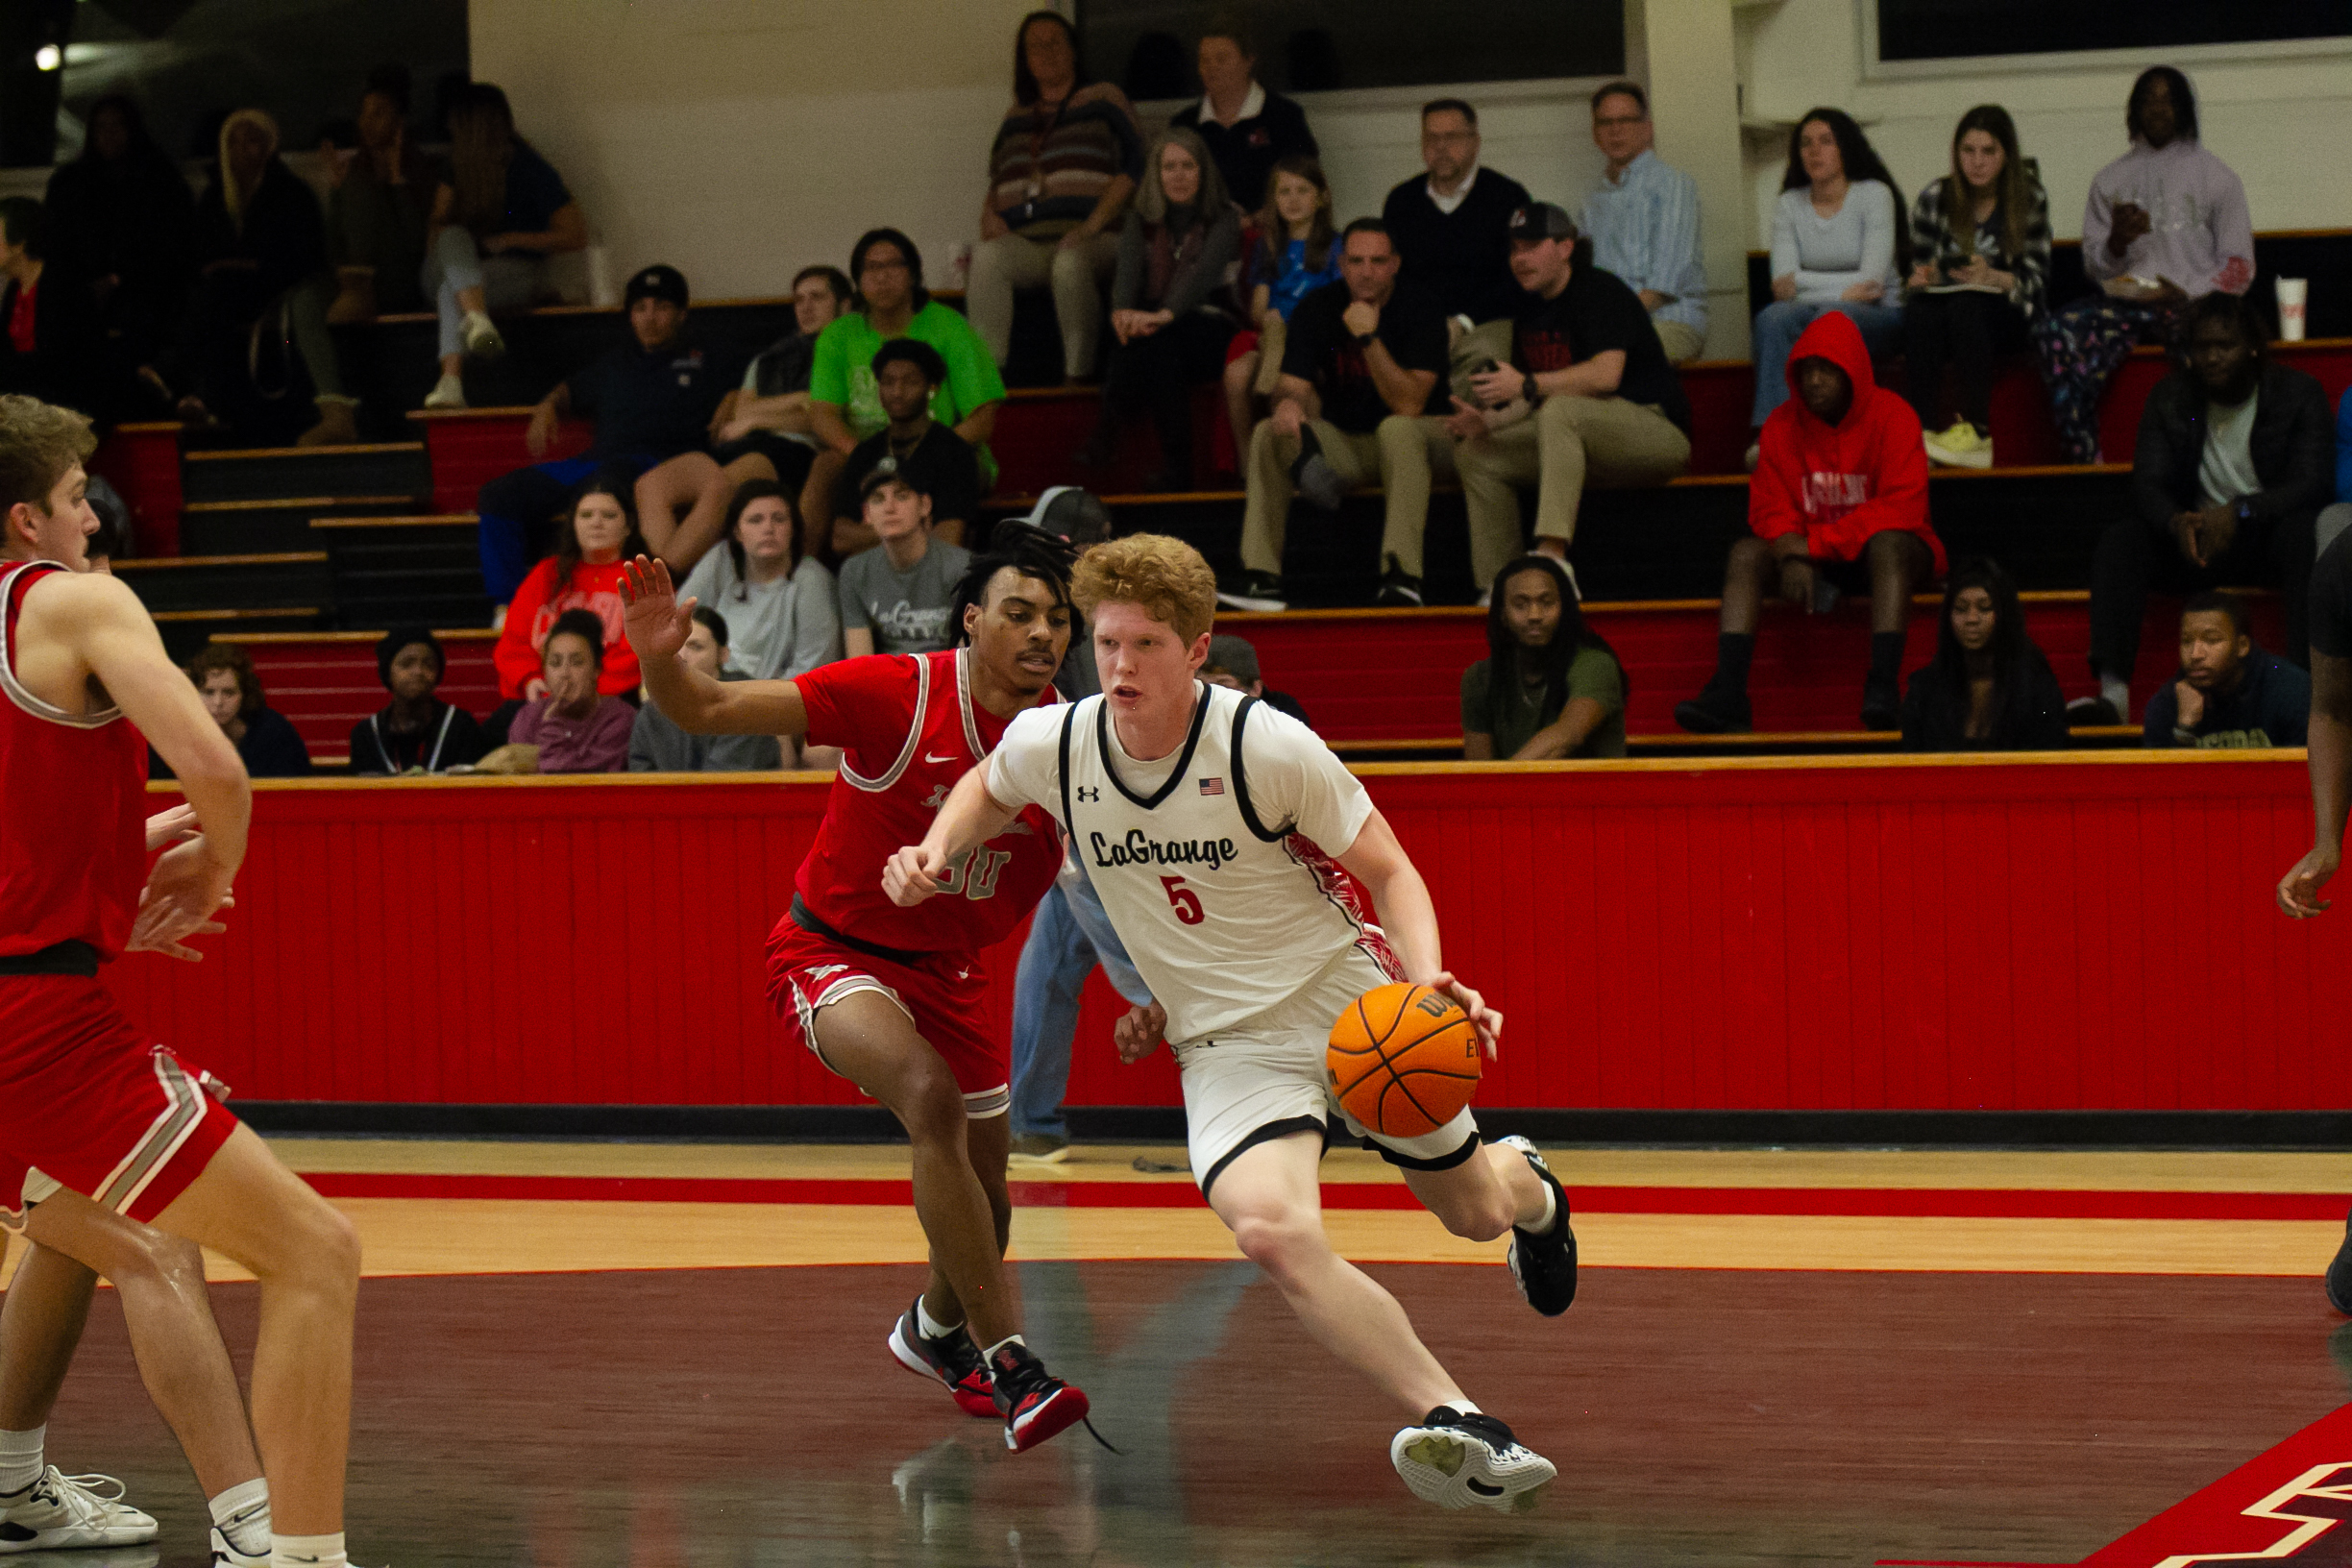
577,729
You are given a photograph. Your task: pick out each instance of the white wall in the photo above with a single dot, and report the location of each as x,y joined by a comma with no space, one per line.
2279,121
741,140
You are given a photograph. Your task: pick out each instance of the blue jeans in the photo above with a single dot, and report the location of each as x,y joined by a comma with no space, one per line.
508,282
1068,934
516,505
1779,326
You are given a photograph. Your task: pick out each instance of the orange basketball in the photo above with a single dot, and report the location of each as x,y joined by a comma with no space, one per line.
1403,1059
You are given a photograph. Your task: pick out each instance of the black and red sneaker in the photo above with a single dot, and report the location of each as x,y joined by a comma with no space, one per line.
953,1361
1035,1404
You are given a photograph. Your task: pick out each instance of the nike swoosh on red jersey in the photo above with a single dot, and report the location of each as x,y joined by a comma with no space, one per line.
928,757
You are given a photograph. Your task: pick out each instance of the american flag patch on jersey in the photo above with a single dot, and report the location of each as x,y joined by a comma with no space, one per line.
1213,786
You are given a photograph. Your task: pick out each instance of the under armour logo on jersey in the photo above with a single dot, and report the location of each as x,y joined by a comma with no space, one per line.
937,798
1087,792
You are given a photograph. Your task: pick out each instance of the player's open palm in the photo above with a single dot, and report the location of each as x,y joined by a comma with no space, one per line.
2298,891
657,621
183,891
1483,1019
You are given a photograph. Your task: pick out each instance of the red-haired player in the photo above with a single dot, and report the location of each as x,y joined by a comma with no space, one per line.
891,998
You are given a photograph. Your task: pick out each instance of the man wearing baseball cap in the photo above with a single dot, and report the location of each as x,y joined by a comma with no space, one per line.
1586,399
651,398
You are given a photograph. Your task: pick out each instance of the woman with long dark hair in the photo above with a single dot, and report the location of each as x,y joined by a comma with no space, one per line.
782,609
1980,248
1550,686
1837,244
1988,687
1068,155
600,534
502,212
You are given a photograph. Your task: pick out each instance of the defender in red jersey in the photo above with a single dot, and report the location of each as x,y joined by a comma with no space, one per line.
84,1097
891,998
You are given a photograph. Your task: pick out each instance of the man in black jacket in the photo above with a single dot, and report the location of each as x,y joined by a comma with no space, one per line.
2235,460
1246,127
1452,226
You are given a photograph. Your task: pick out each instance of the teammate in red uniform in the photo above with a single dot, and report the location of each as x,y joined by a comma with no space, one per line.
84,1097
891,998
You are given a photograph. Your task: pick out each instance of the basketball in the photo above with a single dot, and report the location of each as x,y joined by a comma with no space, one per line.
1403,1059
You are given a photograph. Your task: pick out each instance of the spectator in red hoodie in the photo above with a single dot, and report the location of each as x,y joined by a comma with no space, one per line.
585,574
1838,502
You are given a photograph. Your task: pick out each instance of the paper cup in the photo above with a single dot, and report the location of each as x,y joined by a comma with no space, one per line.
601,289
2293,294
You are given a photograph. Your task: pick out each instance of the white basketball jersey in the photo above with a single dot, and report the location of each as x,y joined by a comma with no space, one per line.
1224,911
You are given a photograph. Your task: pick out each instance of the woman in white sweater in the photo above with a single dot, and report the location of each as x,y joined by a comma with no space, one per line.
1837,244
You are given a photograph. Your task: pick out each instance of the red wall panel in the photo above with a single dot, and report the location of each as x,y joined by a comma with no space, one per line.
2081,933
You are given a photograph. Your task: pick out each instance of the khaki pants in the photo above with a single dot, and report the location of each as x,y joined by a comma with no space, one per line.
1401,455
1680,340
1568,443
1008,262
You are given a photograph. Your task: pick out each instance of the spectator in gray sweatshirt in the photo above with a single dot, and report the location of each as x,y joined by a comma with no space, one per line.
657,746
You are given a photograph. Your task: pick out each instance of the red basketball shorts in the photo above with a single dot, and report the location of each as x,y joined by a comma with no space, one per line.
89,1102
945,994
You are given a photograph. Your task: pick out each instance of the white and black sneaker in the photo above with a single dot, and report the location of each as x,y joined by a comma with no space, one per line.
225,1553
1544,1265
953,1361
1454,1460
1260,592
61,1510
1398,586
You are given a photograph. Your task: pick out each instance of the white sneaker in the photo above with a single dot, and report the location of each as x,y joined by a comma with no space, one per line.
449,392
225,1553
1753,456
61,1510
1960,447
1454,1460
481,337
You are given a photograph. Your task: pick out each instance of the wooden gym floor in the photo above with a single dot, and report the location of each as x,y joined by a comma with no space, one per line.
650,1354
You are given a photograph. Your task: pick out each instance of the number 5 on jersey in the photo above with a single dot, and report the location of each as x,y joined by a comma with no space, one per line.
1187,902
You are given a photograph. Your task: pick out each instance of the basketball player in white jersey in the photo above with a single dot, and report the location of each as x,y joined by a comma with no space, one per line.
1214,828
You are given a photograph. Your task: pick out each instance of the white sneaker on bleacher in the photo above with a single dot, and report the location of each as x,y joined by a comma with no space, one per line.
449,392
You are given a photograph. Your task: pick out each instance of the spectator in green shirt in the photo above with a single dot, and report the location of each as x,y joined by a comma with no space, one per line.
1550,686
844,398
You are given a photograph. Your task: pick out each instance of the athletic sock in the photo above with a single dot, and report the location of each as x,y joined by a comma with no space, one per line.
1463,1407
1886,657
307,1551
1008,1340
1733,650
931,1327
1551,1214
242,1514
20,1458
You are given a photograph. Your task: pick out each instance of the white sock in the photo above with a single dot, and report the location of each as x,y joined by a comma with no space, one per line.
2117,694
307,1551
20,1458
242,1514
932,1328
1463,1407
1008,1340
1543,1223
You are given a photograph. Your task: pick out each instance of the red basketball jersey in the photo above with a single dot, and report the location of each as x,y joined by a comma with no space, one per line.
73,837
908,729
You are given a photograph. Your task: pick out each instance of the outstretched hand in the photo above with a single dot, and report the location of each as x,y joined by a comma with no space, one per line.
1483,1019
657,621
1138,1034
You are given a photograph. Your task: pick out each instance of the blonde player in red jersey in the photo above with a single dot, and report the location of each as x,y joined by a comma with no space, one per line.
86,1097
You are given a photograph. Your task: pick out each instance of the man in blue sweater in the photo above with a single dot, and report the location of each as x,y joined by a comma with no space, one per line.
2229,692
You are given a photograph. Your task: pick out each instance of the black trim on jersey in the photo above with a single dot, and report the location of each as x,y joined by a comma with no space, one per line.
1444,1162
1070,824
71,956
1241,776
806,921
1184,758
1266,1134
